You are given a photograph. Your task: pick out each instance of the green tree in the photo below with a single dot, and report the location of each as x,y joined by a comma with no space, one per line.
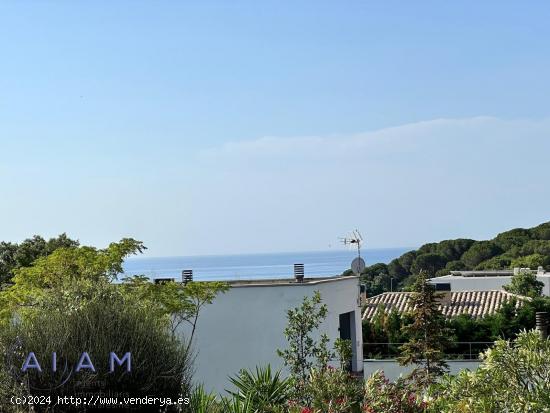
499,262
514,237
396,270
453,249
429,335
304,351
429,263
13,256
531,261
406,260
479,252
179,303
541,232
525,283
68,300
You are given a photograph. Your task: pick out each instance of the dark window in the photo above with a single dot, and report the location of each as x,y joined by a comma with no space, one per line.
443,287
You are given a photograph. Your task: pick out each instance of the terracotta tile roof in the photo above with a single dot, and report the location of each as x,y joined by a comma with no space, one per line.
475,303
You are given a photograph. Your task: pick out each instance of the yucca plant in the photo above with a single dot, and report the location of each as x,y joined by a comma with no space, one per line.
262,389
238,405
202,402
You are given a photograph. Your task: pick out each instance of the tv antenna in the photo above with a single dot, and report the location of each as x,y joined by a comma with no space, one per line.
355,240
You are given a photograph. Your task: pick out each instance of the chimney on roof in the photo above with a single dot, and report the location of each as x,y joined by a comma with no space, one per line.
299,273
540,270
186,276
541,324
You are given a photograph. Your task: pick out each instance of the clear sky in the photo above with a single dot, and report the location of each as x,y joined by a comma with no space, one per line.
235,127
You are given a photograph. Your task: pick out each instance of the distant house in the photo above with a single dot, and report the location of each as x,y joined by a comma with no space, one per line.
487,280
244,327
477,304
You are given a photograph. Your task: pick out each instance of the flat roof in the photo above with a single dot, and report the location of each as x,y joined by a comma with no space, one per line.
289,281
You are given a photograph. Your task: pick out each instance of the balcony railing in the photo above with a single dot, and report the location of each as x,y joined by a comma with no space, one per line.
460,350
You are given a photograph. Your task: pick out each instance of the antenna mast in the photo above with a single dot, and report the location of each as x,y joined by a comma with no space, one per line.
354,238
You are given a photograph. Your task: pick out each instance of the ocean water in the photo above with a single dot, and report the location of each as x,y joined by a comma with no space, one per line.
255,266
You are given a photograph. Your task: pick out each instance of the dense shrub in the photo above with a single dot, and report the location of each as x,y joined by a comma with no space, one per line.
514,377
382,396
160,364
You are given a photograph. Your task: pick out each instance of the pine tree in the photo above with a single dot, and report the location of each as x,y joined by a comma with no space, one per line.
429,336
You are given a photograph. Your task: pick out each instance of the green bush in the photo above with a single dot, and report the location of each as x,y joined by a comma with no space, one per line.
514,377
382,396
333,390
160,364
262,389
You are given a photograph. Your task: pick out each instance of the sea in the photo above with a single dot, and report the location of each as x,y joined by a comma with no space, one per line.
256,266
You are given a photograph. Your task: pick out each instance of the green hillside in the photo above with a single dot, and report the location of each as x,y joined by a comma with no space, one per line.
518,247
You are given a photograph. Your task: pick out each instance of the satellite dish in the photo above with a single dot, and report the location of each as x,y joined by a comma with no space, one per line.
358,265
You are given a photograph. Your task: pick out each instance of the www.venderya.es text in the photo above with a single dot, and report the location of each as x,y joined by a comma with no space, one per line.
92,400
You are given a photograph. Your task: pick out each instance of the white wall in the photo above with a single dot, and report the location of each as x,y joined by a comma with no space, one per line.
460,283
244,327
392,370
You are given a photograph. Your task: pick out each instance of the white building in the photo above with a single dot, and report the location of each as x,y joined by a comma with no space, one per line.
485,280
243,328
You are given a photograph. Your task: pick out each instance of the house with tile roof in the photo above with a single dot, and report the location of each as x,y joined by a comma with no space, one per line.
477,304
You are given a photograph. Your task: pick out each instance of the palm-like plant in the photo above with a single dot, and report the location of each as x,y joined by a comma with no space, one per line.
203,402
238,405
262,389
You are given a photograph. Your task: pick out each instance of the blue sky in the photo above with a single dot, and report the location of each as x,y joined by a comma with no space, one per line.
217,127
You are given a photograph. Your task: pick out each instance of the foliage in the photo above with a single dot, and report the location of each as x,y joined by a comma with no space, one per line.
333,390
202,402
512,238
382,396
376,279
304,352
344,352
179,303
106,322
69,301
531,261
514,377
429,337
386,327
430,263
13,256
10,387
479,252
262,389
46,282
498,262
525,283
515,248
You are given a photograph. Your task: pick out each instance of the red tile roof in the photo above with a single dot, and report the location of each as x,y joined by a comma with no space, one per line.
475,303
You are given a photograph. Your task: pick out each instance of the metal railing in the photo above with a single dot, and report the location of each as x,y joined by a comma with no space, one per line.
459,350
